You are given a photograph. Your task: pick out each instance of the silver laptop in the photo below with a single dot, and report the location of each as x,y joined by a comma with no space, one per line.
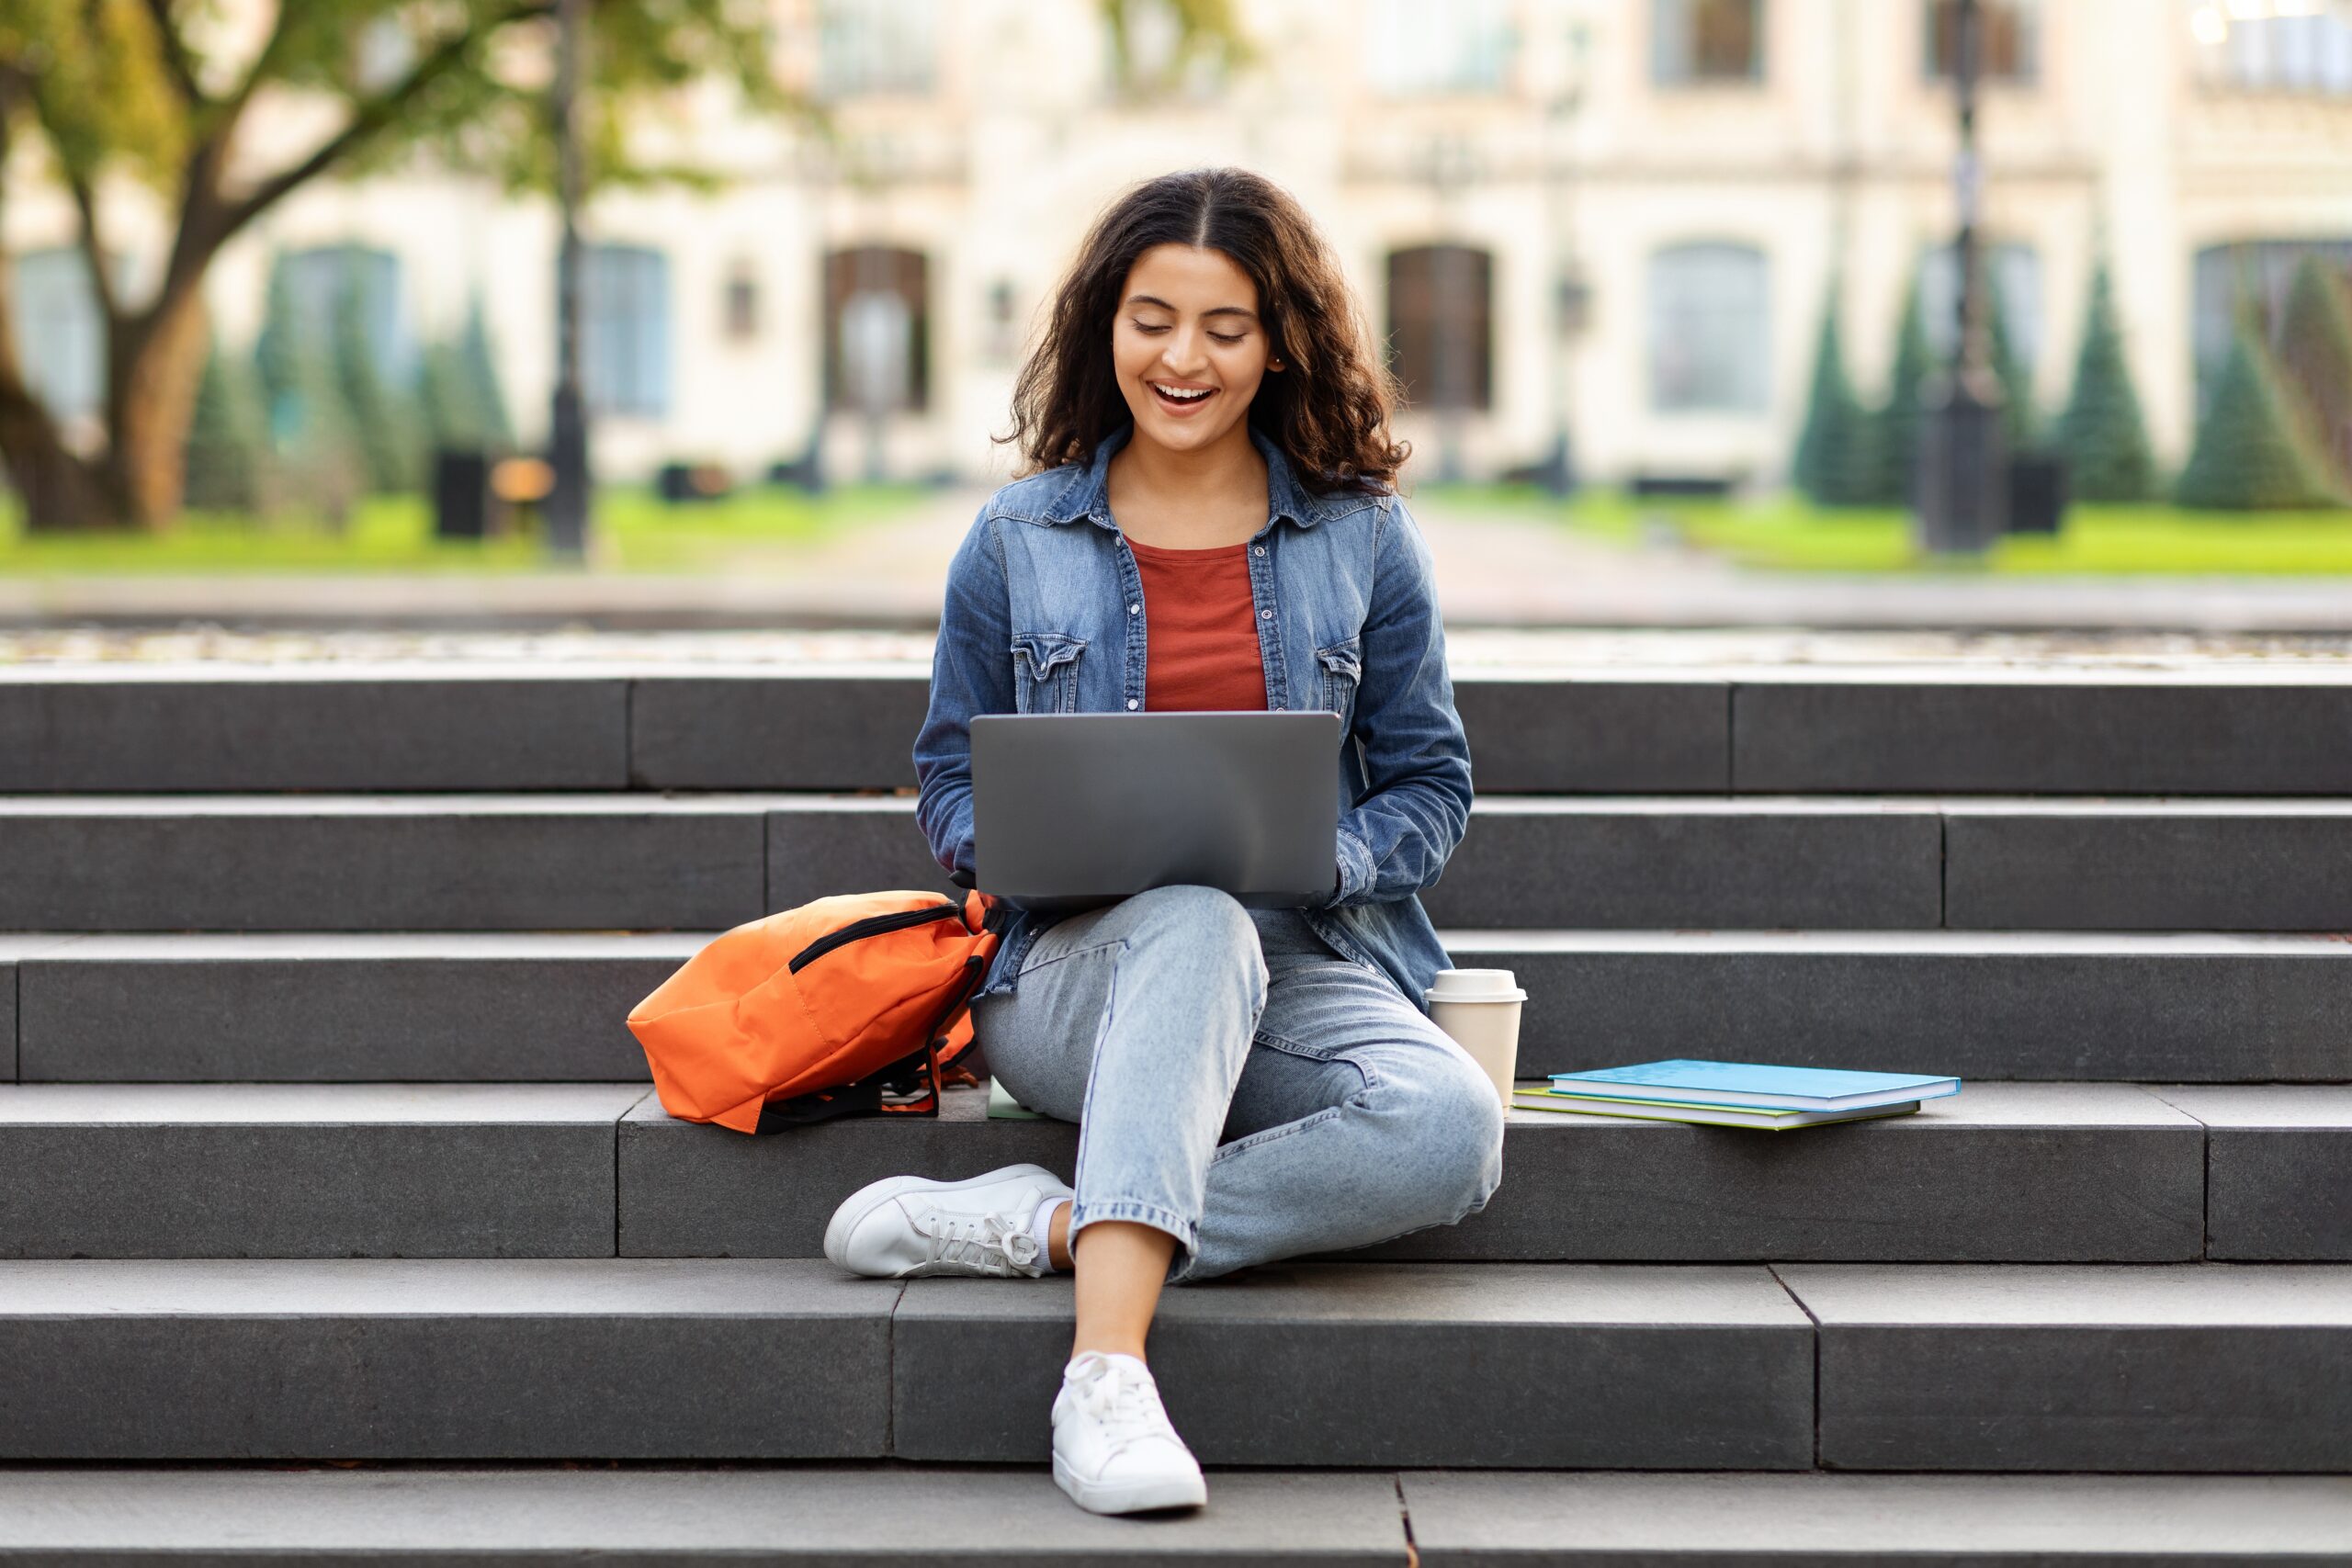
1071,811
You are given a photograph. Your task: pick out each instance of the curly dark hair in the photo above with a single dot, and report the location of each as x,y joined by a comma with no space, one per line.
1327,412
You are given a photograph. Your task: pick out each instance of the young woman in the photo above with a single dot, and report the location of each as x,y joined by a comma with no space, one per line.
1208,522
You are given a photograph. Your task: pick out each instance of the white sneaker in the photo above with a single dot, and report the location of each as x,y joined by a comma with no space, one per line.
1113,1450
903,1227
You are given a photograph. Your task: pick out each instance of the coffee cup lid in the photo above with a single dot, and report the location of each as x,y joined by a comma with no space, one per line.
1476,986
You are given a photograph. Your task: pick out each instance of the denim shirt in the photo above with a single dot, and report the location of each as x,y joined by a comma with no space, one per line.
1044,614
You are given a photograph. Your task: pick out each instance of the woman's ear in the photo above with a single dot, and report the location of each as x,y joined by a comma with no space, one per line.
1274,364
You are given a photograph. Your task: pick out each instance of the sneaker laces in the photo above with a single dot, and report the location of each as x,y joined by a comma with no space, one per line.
1125,1400
991,1242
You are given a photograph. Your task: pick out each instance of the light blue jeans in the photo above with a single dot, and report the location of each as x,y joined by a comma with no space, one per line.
1238,1084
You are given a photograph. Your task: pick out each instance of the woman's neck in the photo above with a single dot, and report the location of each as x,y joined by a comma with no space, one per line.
1230,472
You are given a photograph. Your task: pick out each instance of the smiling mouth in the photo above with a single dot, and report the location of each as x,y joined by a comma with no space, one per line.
1179,402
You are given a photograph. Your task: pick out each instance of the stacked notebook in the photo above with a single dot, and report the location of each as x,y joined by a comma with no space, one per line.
1734,1094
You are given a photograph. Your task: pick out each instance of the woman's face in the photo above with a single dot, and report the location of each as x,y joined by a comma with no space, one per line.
1188,321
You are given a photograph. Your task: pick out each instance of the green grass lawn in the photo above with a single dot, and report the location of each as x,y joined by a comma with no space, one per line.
1787,533
634,532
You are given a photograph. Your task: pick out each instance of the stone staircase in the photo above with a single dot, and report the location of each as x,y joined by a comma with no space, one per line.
338,1222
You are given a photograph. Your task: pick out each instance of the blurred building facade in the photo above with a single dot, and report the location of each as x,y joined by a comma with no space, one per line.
1619,218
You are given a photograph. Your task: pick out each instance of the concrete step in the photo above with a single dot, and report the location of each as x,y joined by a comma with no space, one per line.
309,1170
2002,1367
1511,1364
2025,1172
2193,1368
504,1006
631,862
1464,1517
939,1516
648,1517
2272,728
2002,1172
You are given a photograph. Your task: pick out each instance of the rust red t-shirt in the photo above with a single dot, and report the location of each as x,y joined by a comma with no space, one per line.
1201,630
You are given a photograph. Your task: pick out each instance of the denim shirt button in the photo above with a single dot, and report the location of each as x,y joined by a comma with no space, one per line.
1265,614
1131,702
1261,550
1133,609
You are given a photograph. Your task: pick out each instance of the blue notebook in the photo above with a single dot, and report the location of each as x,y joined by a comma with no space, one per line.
1752,1083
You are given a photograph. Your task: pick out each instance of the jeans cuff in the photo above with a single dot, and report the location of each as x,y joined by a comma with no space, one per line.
1085,1212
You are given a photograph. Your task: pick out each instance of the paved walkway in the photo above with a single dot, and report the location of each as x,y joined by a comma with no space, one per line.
1491,572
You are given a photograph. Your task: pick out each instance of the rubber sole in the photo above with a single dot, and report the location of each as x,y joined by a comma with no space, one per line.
1131,1497
874,1194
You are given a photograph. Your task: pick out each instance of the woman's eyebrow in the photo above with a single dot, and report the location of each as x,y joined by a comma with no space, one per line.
1220,310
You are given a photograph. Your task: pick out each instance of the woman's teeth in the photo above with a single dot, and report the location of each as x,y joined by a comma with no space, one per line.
1174,396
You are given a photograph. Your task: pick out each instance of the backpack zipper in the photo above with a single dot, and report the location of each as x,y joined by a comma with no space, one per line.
873,925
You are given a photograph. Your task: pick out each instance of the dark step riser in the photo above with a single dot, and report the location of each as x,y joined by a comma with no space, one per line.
2108,1174
1715,1368
1863,868
2059,1017
1600,735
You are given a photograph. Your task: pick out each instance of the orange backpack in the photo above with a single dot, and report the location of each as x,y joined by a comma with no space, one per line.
846,1006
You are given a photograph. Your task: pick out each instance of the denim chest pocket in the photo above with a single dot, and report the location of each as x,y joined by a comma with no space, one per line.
1044,667
1342,665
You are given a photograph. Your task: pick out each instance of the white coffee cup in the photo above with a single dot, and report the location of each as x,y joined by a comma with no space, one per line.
1479,1007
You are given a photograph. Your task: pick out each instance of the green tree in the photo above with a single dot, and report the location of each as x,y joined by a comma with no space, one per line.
2104,439
1834,465
312,441
463,406
2016,376
227,438
2248,455
1894,446
2314,357
383,418
160,92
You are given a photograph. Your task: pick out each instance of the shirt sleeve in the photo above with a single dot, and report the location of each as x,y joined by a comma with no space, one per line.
971,673
1415,807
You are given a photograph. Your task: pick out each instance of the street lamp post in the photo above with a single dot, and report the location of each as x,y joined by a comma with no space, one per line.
1567,286
1964,490
568,421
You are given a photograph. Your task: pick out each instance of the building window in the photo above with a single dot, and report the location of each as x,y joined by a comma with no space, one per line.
2274,54
2014,273
876,46
877,330
1710,329
1441,326
1706,41
740,307
326,280
2248,282
1415,47
2009,34
60,331
625,331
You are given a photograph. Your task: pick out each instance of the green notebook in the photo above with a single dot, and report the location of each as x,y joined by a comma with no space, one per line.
1003,1107
1703,1115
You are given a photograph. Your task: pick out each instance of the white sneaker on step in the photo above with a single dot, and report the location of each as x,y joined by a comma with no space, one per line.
904,1227
1113,1450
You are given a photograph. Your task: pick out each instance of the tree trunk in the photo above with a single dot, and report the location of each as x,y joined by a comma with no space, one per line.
59,490
150,397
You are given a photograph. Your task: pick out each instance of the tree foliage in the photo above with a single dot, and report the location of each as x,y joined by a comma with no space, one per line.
1894,446
1834,465
157,92
2248,455
2104,439
227,438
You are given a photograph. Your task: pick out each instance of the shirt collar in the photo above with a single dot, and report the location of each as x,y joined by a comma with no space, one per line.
1089,491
